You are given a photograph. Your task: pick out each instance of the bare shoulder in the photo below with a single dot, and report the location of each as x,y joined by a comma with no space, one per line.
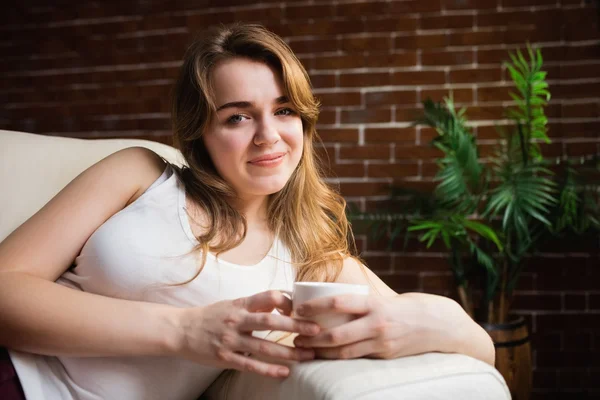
146,165
60,228
355,272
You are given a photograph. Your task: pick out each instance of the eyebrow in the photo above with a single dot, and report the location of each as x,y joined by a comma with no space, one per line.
248,104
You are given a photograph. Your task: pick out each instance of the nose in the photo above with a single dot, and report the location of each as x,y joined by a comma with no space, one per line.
266,132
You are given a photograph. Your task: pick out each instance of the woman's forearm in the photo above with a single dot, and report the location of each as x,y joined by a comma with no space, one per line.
40,316
449,329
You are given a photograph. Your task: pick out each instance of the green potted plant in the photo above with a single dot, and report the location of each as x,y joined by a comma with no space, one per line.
490,217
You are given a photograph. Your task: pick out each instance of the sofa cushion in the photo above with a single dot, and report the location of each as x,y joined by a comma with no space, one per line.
431,376
34,168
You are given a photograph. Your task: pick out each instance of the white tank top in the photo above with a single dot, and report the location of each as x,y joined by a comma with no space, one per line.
133,255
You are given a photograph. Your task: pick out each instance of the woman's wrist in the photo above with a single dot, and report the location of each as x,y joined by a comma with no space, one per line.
449,329
441,324
170,337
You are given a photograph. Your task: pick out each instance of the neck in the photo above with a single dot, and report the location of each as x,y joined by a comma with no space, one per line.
254,208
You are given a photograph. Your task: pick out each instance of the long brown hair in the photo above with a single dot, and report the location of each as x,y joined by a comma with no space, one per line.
307,215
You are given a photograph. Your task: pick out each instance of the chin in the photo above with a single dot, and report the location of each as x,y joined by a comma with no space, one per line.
264,187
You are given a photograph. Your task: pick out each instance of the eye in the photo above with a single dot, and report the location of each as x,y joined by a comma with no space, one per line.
285,111
235,119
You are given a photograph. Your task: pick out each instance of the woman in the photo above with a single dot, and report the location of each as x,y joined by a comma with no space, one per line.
141,280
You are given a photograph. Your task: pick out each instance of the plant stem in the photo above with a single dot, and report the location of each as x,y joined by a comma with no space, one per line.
502,308
464,300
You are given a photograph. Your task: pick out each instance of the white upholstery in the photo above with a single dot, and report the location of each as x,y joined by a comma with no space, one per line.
432,376
33,168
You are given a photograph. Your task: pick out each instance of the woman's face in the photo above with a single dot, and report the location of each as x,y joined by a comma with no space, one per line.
255,139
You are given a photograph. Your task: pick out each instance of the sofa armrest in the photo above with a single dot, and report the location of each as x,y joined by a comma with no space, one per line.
434,376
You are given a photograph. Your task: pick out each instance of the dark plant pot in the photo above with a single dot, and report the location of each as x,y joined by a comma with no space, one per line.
513,355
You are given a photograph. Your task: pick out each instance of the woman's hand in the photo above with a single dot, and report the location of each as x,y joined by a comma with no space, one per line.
221,334
388,327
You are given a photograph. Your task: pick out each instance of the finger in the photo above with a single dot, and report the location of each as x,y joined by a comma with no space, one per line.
351,332
273,350
243,363
349,303
275,322
267,301
354,350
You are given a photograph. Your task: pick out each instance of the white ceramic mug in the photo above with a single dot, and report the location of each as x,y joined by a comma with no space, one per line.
304,291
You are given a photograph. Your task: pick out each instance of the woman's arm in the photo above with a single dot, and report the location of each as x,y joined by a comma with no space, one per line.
38,315
401,324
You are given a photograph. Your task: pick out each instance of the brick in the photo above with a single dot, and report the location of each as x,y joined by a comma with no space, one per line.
545,378
445,57
371,115
581,149
402,282
408,114
494,93
421,263
339,99
589,129
421,41
427,134
304,12
442,282
416,152
364,79
526,3
356,170
476,75
370,43
339,62
576,90
391,97
314,46
393,170
393,24
353,189
362,9
574,340
493,56
371,152
447,22
537,302
403,59
546,340
429,169
470,4
459,95
323,80
377,135
327,117
415,6
326,154
378,264
348,135
586,70
488,132
485,113
413,78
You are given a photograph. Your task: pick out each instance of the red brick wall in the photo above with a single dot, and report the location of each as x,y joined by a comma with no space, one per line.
104,69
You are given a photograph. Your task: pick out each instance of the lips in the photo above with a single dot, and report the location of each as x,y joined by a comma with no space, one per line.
267,157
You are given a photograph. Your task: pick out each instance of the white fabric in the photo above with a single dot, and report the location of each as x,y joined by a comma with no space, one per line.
33,168
433,376
140,253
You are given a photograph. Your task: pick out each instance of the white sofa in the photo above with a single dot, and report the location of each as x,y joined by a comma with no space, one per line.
33,168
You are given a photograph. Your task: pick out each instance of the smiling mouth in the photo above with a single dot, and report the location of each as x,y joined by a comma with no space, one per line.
268,161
